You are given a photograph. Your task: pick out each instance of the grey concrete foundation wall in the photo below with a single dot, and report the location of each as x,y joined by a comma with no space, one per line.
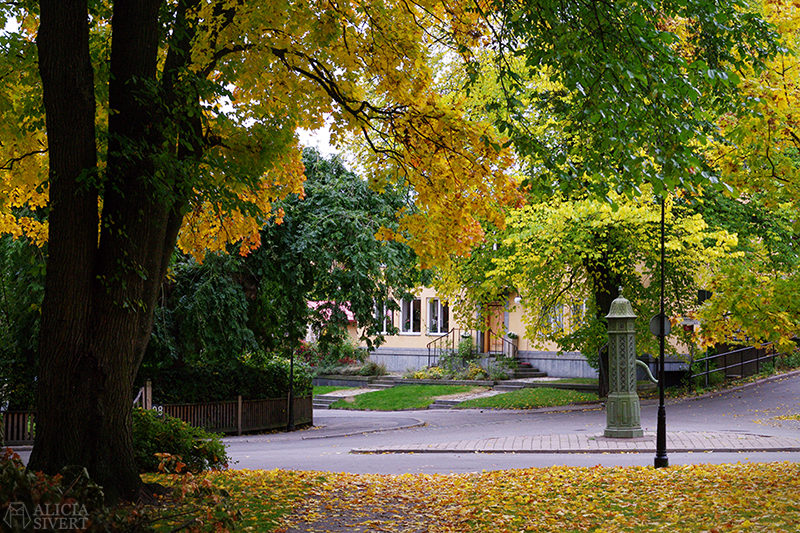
401,359
566,365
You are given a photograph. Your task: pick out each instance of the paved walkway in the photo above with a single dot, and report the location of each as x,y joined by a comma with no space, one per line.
683,442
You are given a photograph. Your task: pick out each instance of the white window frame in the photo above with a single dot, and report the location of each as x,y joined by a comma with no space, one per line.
412,316
436,310
384,316
555,318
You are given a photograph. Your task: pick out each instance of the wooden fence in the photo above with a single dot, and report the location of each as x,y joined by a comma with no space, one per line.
18,427
242,416
233,417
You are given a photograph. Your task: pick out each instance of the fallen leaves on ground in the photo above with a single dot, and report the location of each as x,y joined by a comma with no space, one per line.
747,497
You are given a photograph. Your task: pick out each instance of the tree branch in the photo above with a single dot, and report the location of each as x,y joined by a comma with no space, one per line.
9,165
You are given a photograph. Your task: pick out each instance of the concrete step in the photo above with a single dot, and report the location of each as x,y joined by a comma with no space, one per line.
324,402
532,373
444,404
508,386
384,381
381,385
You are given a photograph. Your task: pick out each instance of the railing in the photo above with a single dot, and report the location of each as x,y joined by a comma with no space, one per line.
734,364
18,427
483,342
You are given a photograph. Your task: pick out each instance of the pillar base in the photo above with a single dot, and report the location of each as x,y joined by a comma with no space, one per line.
623,433
623,416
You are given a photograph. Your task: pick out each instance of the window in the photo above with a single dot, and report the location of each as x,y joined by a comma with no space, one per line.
438,316
411,316
384,317
555,318
577,317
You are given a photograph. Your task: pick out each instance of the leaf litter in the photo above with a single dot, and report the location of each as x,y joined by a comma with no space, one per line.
743,497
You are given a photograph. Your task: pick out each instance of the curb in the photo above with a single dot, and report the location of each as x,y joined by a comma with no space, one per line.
418,424
368,451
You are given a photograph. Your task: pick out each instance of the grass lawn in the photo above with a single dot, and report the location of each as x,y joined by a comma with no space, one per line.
581,381
400,397
529,398
745,497
325,389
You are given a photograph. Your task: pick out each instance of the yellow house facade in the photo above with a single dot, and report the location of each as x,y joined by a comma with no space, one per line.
424,320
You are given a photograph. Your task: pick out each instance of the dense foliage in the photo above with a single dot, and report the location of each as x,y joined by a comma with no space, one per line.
21,291
568,258
326,248
78,497
323,248
254,376
155,433
608,96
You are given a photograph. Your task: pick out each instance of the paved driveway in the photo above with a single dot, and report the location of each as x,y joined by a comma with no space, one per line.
738,425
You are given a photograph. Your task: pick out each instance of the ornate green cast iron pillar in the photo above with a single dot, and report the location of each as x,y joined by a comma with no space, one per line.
623,414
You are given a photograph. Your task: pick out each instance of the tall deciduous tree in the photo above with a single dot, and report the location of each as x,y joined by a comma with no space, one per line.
755,296
635,87
327,249
138,144
568,258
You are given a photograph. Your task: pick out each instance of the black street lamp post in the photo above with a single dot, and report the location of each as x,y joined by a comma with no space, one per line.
662,330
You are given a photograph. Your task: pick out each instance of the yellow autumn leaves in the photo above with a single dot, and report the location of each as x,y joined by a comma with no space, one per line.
744,497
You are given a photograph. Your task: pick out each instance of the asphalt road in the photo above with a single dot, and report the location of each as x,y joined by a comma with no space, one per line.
748,410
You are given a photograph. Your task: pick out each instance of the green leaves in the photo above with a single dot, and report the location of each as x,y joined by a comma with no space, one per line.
326,250
642,84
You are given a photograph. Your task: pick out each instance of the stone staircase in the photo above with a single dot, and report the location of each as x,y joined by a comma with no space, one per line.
322,401
382,383
444,404
525,370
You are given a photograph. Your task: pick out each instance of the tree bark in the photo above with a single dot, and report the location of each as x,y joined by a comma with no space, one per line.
99,297
68,91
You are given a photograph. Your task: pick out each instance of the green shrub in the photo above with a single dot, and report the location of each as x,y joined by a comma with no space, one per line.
789,361
433,372
714,378
466,349
332,354
255,376
155,433
371,368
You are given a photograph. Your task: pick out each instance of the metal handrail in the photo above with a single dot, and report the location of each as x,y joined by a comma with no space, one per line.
451,340
740,364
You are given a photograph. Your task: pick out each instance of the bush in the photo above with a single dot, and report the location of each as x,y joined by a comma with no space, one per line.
789,361
433,372
371,368
155,433
332,355
255,376
714,378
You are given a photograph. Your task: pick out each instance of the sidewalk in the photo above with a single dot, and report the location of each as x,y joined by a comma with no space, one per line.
678,442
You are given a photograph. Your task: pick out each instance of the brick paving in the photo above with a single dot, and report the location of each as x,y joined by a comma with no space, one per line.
677,442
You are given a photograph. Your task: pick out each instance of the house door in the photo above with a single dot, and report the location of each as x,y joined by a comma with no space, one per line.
495,325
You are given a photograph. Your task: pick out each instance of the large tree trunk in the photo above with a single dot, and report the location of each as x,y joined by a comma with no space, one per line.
606,284
68,88
99,301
